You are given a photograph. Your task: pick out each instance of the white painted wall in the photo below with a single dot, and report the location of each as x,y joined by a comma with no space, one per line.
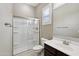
5,32
23,10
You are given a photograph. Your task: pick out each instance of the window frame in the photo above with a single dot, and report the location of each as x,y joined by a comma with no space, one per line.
47,21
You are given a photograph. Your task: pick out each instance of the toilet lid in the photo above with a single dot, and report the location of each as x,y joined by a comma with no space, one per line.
37,47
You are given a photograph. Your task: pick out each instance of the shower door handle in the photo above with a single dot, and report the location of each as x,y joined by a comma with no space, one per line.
8,24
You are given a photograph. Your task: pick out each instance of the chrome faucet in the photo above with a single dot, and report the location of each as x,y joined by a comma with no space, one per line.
66,42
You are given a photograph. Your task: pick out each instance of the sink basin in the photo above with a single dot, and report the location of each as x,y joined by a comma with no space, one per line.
66,47
63,46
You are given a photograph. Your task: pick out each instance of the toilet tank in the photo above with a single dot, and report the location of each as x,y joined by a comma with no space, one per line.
43,40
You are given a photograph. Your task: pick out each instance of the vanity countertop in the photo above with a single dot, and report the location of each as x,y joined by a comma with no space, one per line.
72,49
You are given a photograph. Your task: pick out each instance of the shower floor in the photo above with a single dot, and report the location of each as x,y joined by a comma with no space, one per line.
25,52
20,50
29,52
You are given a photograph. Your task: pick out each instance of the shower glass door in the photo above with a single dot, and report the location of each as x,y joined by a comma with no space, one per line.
25,34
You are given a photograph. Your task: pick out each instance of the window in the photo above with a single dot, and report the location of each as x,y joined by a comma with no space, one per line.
46,15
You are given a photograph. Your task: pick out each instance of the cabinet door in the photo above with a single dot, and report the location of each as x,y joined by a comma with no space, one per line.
61,54
49,50
47,53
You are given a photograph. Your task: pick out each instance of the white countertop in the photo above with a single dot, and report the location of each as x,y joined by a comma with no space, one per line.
72,49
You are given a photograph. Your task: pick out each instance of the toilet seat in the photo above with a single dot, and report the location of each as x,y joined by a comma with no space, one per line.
37,47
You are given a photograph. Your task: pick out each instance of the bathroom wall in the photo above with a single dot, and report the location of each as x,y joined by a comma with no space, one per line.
26,10
66,20
45,30
23,10
5,31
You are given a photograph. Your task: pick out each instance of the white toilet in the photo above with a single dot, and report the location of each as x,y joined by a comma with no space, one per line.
39,48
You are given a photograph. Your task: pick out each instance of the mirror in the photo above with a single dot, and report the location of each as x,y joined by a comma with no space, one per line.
66,21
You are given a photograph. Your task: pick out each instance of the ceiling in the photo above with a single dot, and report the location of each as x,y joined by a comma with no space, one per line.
56,5
33,4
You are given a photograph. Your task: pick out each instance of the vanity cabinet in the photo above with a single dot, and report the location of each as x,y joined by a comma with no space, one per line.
50,51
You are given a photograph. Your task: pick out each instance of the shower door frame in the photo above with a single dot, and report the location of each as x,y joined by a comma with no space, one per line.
13,32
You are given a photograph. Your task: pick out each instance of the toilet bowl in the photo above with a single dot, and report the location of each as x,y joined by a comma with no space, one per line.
39,48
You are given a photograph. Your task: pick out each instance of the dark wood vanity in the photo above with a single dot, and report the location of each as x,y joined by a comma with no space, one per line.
50,51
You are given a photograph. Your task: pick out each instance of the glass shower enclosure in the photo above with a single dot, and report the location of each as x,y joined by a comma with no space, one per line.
25,34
